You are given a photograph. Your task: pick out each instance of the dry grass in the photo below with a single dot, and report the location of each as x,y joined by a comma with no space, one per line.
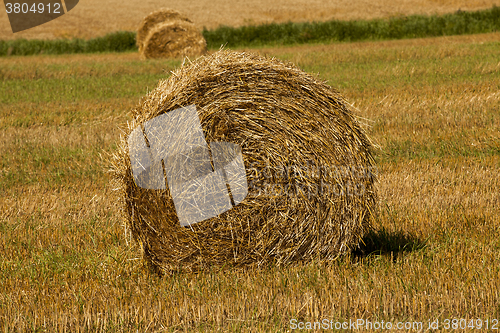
434,252
93,18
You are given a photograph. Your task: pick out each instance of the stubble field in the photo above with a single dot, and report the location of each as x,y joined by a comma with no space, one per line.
92,18
432,105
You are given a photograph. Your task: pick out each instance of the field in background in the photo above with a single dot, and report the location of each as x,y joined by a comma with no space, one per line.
280,34
432,106
93,18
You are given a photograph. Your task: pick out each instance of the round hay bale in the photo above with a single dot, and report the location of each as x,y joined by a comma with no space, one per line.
173,40
149,22
308,166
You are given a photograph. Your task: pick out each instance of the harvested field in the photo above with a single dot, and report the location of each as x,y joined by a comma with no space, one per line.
433,254
94,18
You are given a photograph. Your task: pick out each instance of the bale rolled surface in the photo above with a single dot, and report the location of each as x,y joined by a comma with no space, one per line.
157,17
308,166
173,40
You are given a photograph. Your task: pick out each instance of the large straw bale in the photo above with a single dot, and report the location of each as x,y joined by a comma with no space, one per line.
174,39
162,15
308,164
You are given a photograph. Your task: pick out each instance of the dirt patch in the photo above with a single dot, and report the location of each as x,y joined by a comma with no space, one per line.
92,18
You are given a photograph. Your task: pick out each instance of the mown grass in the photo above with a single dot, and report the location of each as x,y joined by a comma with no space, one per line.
120,41
63,81
415,26
434,253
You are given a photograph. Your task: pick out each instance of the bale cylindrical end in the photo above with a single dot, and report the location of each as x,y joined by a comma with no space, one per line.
157,17
174,39
308,167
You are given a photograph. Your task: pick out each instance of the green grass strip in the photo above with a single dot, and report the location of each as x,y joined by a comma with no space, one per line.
115,42
415,26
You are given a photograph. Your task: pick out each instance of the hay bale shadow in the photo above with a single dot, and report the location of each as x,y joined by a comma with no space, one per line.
388,243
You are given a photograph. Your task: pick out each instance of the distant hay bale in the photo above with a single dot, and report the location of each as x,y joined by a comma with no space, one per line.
308,167
166,33
149,22
173,40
